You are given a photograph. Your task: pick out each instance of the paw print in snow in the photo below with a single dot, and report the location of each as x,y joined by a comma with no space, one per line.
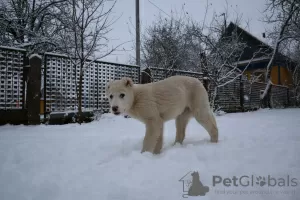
261,181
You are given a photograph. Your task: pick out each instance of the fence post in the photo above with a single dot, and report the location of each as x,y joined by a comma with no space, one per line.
269,95
288,97
45,88
33,89
241,94
146,76
205,83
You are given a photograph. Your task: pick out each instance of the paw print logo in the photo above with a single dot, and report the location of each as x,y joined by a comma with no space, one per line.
261,181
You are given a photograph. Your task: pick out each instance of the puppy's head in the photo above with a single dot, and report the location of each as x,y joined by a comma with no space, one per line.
120,95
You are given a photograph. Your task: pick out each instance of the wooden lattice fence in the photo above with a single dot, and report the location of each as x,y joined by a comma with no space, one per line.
252,94
12,83
279,96
160,74
228,98
61,80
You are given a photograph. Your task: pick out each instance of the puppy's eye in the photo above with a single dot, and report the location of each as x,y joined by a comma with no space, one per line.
111,96
122,95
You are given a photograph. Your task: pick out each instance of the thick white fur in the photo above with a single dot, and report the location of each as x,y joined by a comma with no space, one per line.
177,97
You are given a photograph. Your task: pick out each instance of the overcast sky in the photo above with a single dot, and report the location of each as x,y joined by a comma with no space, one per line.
251,10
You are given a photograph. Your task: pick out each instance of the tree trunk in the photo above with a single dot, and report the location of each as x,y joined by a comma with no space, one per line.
81,63
214,98
80,94
280,38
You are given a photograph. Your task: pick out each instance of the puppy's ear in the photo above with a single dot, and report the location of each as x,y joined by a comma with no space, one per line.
108,85
128,82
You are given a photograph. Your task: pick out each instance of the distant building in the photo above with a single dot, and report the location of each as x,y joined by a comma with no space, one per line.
280,73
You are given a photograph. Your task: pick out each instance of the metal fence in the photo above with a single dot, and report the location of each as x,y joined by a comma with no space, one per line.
161,73
294,97
12,86
279,96
238,95
252,94
61,78
228,97
12,83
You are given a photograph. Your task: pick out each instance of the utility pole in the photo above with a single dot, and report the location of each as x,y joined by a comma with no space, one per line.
225,23
138,40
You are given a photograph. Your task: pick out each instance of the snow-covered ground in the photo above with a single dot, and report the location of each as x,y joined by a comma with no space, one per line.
102,160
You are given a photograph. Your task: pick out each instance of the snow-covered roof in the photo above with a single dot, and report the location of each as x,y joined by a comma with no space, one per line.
35,55
264,42
102,61
177,70
252,60
12,48
250,34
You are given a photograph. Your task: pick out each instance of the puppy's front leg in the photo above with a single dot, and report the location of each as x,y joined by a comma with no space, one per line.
153,137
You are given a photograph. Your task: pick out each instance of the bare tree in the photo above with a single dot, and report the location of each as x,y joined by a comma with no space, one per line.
285,15
296,84
222,52
29,24
183,43
166,44
84,28
294,70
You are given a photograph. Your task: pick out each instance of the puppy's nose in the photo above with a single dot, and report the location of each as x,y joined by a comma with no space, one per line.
115,108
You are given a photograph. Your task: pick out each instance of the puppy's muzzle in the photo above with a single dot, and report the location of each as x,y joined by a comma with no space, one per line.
115,110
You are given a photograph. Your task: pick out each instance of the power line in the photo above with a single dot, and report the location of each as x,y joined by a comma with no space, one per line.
137,36
159,8
178,21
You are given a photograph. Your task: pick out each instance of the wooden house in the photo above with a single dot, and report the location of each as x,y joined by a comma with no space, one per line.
257,55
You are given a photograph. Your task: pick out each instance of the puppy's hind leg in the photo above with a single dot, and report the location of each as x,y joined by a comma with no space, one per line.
181,124
208,121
